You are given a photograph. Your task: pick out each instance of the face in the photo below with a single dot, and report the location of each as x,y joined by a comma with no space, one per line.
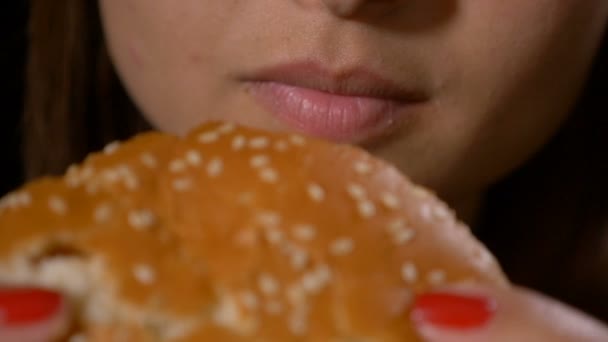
455,93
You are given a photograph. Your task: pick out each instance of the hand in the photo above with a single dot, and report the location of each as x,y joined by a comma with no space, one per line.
483,314
31,315
452,315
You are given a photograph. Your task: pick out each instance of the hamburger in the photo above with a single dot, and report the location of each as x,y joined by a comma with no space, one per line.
236,234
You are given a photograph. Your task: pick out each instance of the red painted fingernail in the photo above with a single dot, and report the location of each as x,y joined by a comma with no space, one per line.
23,306
454,311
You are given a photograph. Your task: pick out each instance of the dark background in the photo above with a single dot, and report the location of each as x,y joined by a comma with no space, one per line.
13,15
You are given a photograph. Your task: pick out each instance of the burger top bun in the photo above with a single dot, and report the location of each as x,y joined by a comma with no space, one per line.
236,234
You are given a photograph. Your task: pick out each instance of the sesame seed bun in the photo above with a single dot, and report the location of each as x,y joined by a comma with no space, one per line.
236,234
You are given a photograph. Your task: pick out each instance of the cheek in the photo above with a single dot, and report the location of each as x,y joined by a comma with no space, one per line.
503,94
163,53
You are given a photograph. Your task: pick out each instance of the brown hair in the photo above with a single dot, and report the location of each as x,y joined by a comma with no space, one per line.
74,100
547,222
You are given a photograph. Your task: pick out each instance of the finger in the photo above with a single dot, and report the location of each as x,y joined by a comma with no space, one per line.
31,315
484,314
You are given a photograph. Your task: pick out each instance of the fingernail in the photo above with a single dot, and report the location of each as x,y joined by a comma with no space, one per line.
453,311
25,306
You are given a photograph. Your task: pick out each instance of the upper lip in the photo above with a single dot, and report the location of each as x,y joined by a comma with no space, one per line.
355,81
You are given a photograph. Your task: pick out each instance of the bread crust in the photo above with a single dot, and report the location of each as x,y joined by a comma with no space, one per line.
237,234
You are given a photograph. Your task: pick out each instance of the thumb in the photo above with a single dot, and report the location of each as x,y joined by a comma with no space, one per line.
476,314
31,315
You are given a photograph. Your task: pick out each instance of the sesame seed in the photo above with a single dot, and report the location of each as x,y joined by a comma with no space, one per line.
87,172
483,258
8,202
269,175
295,294
226,128
316,192
5,202
403,236
111,148
174,332
141,219
311,283
77,338
208,137
23,199
148,160
356,191
128,177
362,168
227,314
315,281
182,184
131,182
58,205
215,167
75,177
123,169
342,246
426,211
441,212
324,273
177,166
92,188
274,307
274,235
396,225
267,284
259,160
249,300
194,158
436,277
111,176
13,201
268,218
304,232
297,324
258,143
420,192
72,181
281,146
366,209
238,142
390,201
297,140
144,274
72,169
409,272
298,258
102,214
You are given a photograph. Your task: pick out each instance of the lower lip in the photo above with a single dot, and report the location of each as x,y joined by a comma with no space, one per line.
330,116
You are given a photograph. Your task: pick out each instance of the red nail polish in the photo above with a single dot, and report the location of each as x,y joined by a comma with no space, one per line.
23,306
455,311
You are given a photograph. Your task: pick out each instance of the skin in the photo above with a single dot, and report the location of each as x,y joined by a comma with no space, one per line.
500,76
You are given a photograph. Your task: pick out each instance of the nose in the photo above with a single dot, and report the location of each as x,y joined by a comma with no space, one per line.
345,8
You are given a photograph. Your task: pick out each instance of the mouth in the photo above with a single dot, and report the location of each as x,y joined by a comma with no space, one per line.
353,106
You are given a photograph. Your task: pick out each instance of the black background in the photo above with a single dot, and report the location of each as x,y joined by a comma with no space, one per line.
13,16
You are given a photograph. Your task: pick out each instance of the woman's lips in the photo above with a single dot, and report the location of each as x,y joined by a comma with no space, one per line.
326,115
353,107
